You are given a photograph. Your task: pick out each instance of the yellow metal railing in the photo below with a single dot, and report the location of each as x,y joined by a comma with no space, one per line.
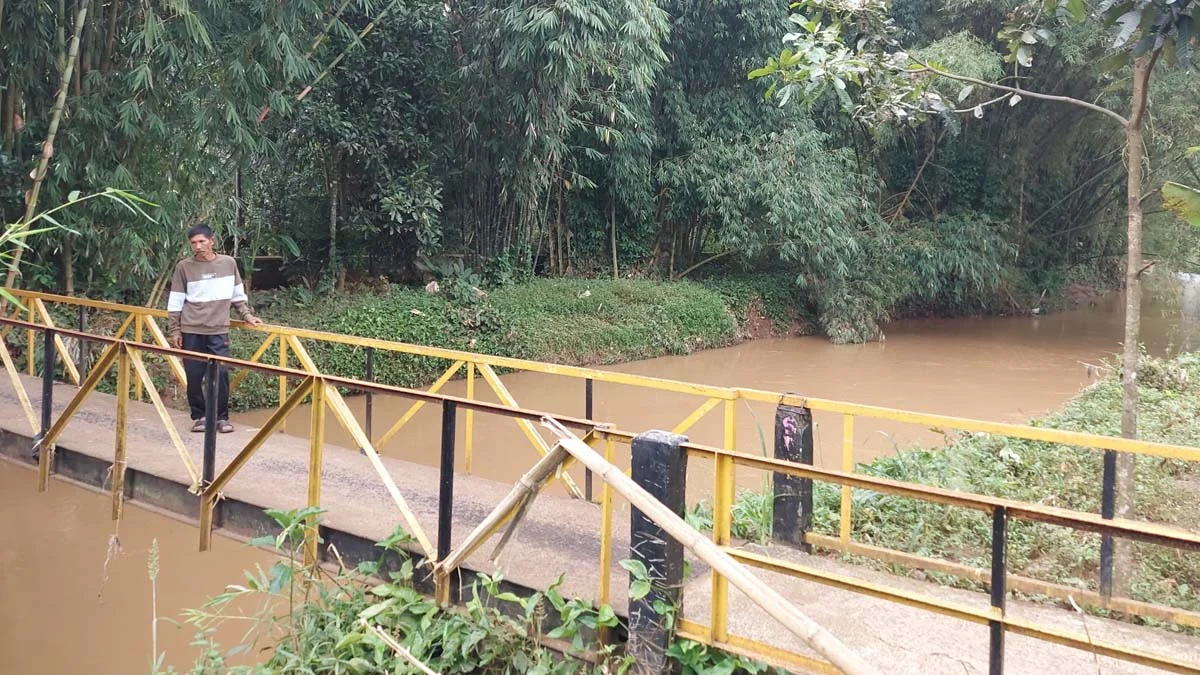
725,458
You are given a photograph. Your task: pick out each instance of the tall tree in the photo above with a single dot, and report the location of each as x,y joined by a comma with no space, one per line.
852,48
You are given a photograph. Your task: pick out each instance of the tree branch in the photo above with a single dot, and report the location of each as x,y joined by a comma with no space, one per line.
1023,92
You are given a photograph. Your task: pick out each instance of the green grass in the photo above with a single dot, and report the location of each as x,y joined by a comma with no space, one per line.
1168,491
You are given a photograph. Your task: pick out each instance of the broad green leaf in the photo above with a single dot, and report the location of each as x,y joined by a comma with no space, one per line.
376,609
639,589
1183,200
73,195
965,92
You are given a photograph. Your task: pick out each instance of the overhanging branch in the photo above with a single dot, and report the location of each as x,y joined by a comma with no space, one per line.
925,67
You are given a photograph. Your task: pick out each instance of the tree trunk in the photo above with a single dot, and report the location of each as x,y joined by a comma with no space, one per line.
335,170
1123,552
612,233
10,114
111,37
48,146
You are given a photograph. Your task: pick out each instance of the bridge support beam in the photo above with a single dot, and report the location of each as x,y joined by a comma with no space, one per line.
793,513
660,468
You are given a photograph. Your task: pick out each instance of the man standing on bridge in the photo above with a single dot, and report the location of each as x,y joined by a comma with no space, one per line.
202,291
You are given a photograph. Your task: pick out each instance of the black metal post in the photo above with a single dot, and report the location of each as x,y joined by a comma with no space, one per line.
446,492
587,414
1108,508
210,422
370,395
48,359
999,587
792,517
660,467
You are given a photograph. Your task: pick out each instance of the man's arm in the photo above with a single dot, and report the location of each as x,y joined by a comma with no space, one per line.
240,301
175,303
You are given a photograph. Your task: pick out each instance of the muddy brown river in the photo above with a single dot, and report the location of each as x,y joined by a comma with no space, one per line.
65,612
1008,369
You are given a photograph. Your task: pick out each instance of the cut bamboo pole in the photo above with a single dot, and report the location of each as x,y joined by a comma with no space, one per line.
515,503
798,623
397,647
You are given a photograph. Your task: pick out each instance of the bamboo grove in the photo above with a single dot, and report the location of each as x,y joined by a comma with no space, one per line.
404,138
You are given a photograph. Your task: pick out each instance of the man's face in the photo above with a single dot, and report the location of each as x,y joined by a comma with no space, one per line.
202,246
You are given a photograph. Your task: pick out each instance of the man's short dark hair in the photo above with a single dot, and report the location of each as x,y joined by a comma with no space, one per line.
200,229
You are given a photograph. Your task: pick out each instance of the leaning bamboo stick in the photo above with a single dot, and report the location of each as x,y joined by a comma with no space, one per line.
514,503
397,647
737,574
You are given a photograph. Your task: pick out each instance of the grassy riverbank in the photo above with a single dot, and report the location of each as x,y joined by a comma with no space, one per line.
1168,491
568,321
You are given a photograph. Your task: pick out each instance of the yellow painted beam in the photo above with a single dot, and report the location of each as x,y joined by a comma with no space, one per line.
469,439
759,651
254,358
173,362
121,434
260,437
416,407
168,423
696,416
844,516
526,426
342,411
316,461
59,345
18,386
45,455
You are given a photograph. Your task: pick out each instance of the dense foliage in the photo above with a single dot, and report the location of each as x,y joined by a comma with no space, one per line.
481,142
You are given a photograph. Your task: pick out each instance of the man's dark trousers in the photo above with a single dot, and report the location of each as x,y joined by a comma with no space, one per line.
217,345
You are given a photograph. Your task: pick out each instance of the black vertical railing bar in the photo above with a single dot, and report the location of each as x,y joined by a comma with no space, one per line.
588,388
47,403
210,421
446,489
1108,507
999,588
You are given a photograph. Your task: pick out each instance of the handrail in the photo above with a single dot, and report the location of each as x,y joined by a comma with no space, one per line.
1021,431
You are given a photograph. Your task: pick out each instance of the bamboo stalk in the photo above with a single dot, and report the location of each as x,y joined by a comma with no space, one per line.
48,146
516,502
798,623
397,647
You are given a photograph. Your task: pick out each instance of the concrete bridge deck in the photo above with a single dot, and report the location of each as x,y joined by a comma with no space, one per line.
559,536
